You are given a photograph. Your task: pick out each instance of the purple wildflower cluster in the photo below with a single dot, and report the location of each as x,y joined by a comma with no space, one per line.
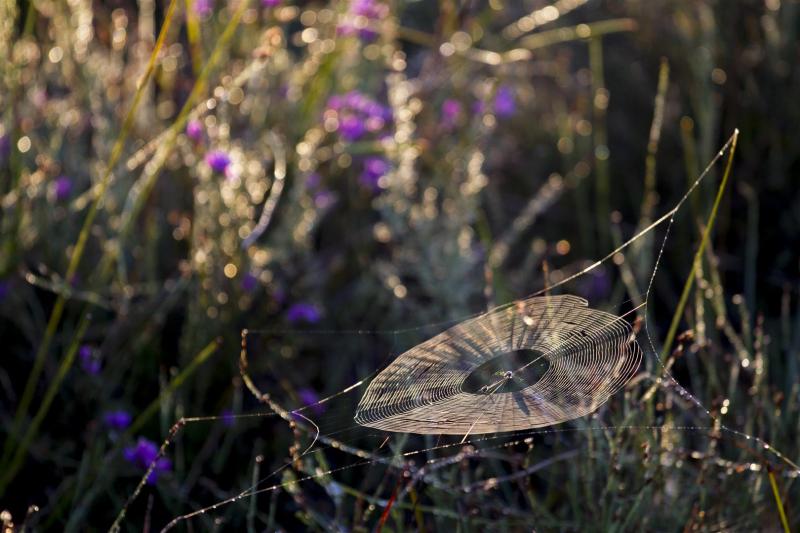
218,161
90,360
249,282
117,420
228,418
504,104
203,8
62,187
5,148
194,130
596,285
451,112
362,18
143,454
374,169
357,115
303,312
323,197
310,398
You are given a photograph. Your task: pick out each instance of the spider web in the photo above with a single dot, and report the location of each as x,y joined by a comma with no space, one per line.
590,355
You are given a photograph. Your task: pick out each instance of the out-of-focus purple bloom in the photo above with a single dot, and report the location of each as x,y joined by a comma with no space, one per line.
310,398
228,418
117,420
374,169
303,312
362,17
62,187
374,123
249,282
358,114
351,128
335,102
203,8
271,3
143,454
5,288
5,148
324,198
39,98
279,295
194,129
313,180
596,284
90,362
218,161
505,104
451,111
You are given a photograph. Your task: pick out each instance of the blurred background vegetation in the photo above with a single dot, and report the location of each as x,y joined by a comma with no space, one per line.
174,172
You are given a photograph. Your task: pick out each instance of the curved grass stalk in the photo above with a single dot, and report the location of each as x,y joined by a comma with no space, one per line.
549,38
279,174
540,17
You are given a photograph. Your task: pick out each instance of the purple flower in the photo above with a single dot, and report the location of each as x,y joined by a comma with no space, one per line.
62,187
5,288
310,398
279,295
218,161
90,362
117,420
505,104
362,17
271,3
194,130
374,169
596,284
303,312
203,8
451,111
351,128
249,282
228,418
143,455
324,198
358,114
313,180
335,102
5,148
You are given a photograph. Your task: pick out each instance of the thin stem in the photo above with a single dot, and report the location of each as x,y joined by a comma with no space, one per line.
176,382
778,502
698,256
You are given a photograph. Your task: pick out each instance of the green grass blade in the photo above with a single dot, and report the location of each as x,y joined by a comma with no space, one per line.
698,256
